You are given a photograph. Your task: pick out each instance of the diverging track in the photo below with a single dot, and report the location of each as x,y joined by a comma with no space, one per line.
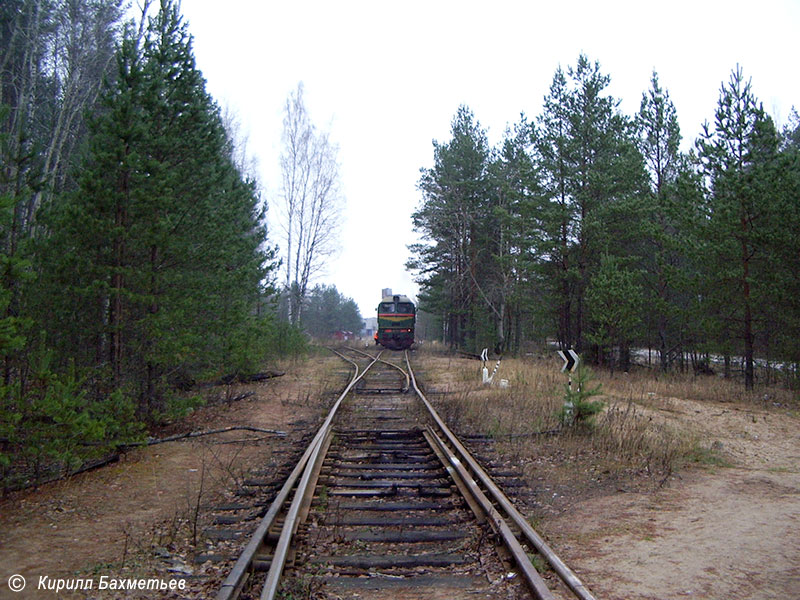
387,502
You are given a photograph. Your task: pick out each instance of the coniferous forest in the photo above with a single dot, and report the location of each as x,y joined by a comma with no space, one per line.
594,229
135,259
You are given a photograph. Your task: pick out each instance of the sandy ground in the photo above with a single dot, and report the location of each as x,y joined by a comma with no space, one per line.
714,532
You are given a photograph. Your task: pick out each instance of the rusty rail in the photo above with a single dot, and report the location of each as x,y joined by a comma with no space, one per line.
461,456
236,579
386,362
482,494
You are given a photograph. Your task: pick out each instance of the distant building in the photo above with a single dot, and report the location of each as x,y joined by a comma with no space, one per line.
343,336
370,327
386,292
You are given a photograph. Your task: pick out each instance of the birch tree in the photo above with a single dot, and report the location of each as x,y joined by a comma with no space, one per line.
311,200
53,57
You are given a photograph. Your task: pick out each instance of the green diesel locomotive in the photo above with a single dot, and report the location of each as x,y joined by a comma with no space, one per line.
396,318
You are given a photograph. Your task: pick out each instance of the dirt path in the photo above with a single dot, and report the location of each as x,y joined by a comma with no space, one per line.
716,532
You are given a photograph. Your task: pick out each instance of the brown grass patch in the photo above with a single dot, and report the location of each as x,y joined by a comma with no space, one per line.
632,442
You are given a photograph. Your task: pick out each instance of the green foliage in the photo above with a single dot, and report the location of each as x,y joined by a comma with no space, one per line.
162,244
453,220
593,192
614,300
782,305
738,159
53,422
326,311
667,246
709,457
593,228
151,272
579,409
178,406
287,340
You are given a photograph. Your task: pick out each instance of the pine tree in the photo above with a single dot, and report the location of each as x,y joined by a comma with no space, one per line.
665,255
554,152
160,249
737,155
328,311
781,306
452,218
593,181
614,299
512,222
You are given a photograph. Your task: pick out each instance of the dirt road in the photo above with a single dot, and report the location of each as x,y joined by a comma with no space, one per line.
714,532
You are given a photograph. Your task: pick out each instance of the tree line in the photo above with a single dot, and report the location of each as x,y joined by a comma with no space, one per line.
134,257
593,228
326,311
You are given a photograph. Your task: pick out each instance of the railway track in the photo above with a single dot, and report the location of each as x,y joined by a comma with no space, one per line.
387,501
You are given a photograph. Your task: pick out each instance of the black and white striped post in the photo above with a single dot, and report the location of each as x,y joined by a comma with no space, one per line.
485,357
571,360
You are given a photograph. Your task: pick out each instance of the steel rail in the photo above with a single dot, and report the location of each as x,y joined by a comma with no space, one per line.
532,576
320,445
233,584
569,578
461,465
386,362
290,524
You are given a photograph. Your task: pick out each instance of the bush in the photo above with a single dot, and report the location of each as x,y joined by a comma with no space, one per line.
578,409
287,340
53,426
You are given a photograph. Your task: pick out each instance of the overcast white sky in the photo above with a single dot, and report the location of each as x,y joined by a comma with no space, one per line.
386,78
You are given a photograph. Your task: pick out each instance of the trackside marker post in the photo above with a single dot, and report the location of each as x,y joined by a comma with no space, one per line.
571,360
496,366
485,357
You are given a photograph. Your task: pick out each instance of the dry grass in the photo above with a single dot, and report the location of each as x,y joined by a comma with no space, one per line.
644,383
629,439
474,408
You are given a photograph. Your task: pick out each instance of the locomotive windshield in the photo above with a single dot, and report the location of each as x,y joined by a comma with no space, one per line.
403,308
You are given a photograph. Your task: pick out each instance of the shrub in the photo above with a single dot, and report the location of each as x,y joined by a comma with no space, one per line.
578,409
53,425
